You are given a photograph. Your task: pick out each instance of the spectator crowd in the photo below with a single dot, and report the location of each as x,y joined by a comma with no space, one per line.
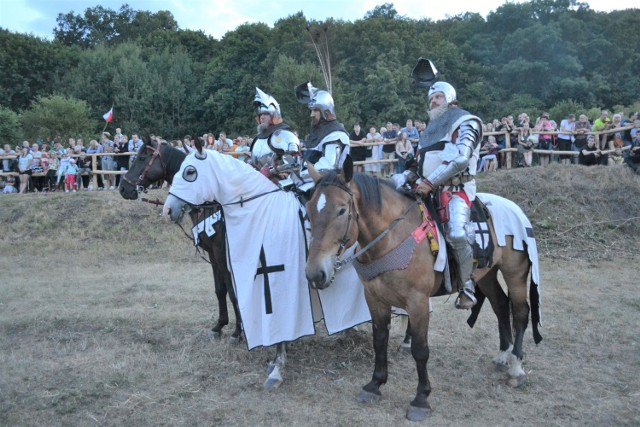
609,140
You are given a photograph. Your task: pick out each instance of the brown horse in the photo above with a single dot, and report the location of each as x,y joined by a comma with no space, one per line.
345,210
156,162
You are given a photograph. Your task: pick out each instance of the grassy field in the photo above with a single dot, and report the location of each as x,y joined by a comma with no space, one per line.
105,311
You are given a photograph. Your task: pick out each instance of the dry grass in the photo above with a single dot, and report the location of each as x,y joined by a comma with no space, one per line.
105,312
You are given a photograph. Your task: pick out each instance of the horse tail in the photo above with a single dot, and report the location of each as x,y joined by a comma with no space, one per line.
534,299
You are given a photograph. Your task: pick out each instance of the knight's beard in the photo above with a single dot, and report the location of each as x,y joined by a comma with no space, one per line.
262,126
438,111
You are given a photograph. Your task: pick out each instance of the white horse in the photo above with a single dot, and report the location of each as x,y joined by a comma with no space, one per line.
267,248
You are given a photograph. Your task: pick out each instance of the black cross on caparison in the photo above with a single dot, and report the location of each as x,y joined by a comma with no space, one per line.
265,269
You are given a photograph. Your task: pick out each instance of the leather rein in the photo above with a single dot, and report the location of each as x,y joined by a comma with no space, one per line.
338,264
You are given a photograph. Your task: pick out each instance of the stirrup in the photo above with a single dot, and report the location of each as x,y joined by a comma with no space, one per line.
468,302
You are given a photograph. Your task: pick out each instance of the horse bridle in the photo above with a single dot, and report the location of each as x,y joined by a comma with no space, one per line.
138,184
338,264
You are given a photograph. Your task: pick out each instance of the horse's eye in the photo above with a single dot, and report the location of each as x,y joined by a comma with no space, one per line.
190,174
342,211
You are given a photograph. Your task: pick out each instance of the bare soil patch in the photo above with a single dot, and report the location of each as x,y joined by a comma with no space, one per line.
105,311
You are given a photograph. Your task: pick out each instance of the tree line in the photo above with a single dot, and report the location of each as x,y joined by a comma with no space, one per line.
552,55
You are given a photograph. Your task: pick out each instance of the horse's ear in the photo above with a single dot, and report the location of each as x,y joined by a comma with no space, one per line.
313,173
197,142
347,168
186,148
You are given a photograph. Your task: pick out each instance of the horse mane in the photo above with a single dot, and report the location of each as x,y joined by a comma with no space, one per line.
368,186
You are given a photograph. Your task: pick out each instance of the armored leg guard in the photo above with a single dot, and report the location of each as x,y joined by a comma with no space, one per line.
460,236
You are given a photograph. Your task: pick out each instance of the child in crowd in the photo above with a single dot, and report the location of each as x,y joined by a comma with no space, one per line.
70,173
10,185
52,171
62,166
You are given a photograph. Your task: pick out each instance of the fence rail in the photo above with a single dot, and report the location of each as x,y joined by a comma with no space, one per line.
508,150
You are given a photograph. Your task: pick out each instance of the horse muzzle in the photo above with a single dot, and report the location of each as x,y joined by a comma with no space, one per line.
321,275
173,208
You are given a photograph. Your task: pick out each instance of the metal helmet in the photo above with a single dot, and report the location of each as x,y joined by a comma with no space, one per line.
266,103
316,98
444,87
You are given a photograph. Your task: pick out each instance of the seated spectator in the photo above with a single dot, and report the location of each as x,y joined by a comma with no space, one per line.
591,154
412,133
488,155
582,128
25,161
242,146
632,158
10,185
223,144
404,151
615,150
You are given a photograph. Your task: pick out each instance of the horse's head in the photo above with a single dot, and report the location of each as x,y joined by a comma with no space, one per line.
193,185
334,223
147,168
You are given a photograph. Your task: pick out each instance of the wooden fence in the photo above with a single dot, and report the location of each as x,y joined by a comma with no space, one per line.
508,150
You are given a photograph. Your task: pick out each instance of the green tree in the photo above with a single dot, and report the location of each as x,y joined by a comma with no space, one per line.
10,130
58,116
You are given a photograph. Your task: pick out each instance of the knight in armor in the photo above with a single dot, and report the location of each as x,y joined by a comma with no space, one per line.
328,141
275,151
449,150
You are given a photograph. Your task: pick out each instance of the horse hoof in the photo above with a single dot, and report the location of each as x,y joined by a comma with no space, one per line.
213,335
418,414
406,347
501,367
272,383
233,340
368,397
515,382
270,367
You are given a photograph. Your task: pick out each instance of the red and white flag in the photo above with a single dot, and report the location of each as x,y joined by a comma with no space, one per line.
108,116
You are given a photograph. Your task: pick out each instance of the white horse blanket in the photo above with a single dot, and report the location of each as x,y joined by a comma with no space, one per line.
267,248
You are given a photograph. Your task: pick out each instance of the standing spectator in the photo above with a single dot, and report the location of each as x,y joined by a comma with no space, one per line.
390,137
62,166
501,139
80,148
223,144
36,168
567,131
108,165
526,143
95,148
600,124
120,145
134,145
70,172
545,139
359,151
25,160
52,171
404,151
373,137
412,134
6,162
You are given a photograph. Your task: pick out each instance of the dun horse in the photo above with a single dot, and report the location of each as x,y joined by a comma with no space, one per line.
370,211
155,162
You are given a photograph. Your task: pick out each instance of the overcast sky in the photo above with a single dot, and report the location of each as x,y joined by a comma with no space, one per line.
216,17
